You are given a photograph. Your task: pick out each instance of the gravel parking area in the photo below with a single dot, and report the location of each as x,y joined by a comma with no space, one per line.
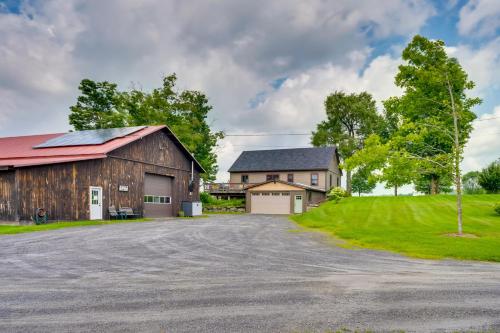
231,273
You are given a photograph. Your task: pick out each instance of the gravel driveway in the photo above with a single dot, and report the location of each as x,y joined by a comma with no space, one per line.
231,273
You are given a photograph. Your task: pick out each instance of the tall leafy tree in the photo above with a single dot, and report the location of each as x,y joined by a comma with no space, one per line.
98,106
391,166
489,178
101,105
350,119
363,182
398,171
435,110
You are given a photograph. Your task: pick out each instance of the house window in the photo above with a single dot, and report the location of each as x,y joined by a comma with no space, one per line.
331,181
272,177
255,193
244,179
276,194
314,179
289,178
338,181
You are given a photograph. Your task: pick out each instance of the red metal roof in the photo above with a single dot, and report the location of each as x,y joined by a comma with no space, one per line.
18,151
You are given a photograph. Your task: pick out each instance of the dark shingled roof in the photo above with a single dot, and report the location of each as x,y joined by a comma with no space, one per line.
317,158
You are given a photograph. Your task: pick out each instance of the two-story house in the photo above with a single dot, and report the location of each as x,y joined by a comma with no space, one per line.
284,181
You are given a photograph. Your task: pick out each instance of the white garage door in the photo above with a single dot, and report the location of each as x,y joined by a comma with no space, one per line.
270,203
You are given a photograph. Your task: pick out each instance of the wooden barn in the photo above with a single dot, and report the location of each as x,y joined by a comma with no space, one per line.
79,175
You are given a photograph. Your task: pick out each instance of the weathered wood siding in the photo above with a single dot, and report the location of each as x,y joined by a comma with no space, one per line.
157,154
8,201
63,189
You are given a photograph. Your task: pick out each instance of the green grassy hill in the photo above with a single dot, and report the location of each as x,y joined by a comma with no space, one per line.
415,226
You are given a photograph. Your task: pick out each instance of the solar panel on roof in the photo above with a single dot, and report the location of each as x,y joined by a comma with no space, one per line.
89,137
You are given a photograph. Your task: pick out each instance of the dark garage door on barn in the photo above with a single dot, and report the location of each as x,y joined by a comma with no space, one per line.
157,195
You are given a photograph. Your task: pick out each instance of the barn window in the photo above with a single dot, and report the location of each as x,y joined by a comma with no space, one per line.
157,199
95,197
314,179
165,200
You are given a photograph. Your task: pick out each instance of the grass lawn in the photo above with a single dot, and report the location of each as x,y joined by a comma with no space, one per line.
414,226
18,229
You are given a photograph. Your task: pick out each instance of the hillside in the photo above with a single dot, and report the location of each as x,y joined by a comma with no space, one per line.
415,226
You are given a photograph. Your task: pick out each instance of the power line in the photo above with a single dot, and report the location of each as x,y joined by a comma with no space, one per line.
266,134
490,118
300,134
303,134
271,146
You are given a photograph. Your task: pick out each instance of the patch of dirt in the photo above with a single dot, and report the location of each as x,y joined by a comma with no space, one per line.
454,234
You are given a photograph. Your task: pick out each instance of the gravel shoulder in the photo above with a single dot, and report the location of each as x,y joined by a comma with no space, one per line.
231,273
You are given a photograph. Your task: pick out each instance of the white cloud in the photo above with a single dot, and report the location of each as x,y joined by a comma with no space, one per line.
231,50
482,64
480,17
298,105
483,146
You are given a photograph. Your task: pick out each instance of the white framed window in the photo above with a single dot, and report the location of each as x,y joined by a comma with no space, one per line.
314,179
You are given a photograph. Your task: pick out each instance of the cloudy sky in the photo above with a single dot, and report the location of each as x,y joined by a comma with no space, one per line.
265,65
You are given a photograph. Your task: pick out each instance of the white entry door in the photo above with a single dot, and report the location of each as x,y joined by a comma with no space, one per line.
297,205
95,203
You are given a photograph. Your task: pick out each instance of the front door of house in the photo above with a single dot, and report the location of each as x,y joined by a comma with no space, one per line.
297,205
95,203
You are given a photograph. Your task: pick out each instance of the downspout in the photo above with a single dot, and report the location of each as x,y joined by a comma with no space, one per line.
192,179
